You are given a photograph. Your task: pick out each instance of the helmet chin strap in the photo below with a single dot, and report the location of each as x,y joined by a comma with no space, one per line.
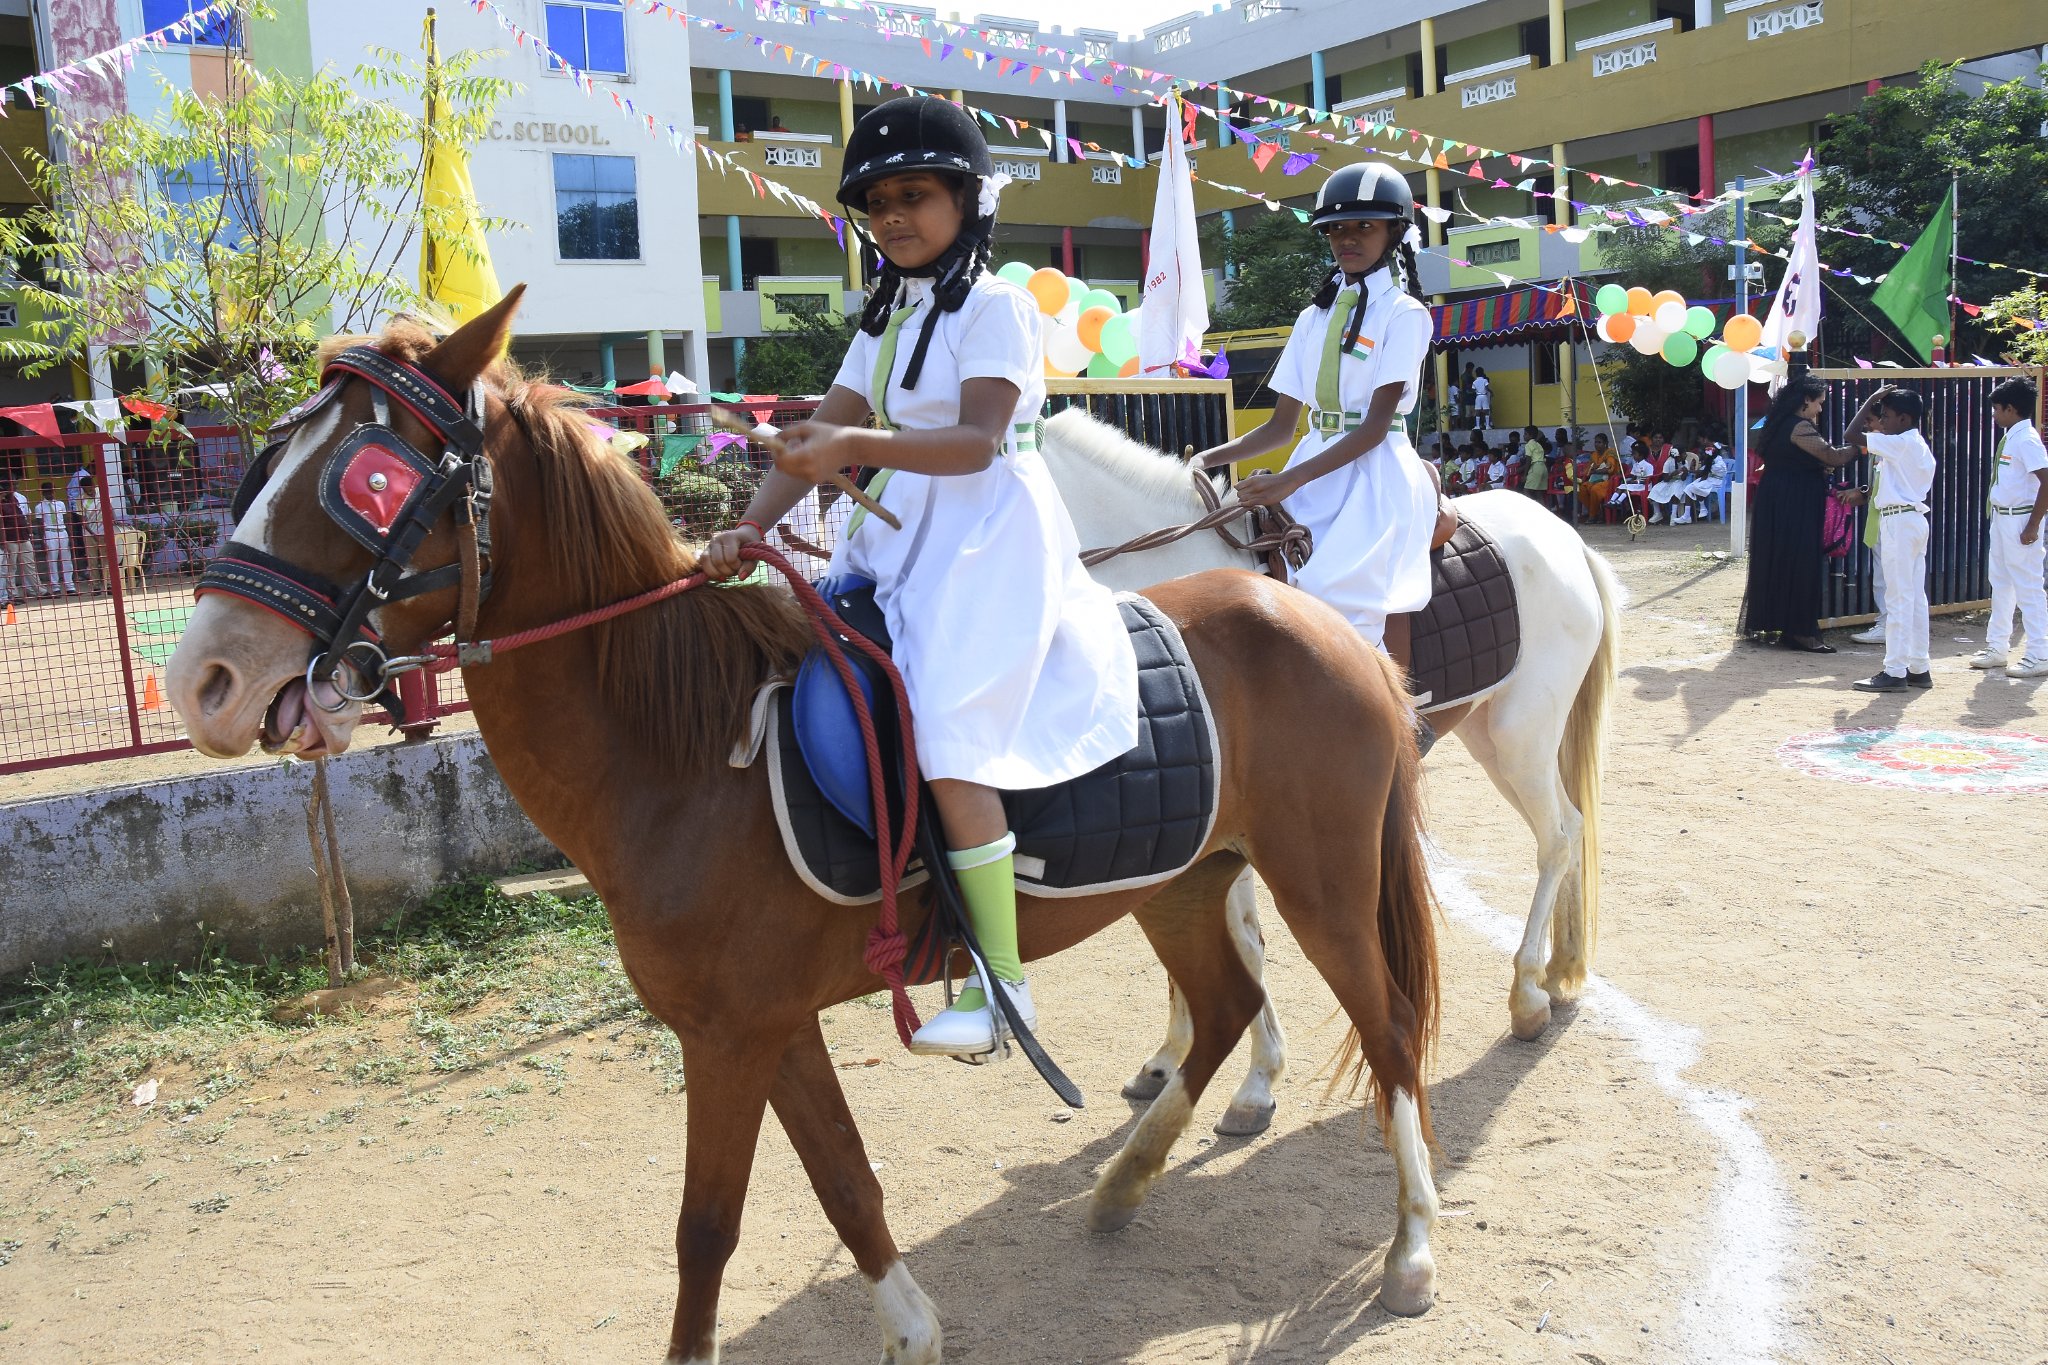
945,268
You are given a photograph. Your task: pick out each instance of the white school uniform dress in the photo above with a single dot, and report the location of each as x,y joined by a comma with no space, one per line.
1019,670
1904,476
2016,569
1372,519
1668,485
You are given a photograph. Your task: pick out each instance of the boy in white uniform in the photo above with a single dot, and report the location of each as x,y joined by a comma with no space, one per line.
1904,476
2019,503
1019,670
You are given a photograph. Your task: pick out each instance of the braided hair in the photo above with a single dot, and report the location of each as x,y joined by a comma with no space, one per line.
953,275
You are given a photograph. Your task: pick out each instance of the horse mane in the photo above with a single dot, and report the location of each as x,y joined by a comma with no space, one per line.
682,672
1135,466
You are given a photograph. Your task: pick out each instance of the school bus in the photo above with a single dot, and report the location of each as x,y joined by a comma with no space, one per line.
1253,354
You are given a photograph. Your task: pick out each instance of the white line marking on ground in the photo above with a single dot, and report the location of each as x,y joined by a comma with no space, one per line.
1738,1314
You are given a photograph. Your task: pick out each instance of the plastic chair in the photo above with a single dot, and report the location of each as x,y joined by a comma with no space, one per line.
1721,496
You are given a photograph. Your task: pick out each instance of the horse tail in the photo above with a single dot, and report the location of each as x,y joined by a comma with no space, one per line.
1407,911
1575,925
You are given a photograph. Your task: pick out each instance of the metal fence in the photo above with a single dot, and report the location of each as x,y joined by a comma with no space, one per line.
1958,426
81,674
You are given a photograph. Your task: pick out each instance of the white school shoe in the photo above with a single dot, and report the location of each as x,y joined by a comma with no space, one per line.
1873,635
2028,668
971,1033
1988,659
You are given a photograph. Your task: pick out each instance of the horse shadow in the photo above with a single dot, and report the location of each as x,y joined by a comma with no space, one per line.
1285,1245
1746,673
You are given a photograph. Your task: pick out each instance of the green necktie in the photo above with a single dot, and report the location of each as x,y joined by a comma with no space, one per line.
1870,516
1328,397
1997,468
885,375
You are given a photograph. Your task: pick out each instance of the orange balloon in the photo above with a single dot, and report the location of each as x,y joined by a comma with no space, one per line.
1663,297
1049,287
1053,371
1089,326
1640,302
1742,333
1130,368
1620,327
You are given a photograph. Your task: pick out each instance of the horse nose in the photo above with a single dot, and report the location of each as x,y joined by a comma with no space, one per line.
217,684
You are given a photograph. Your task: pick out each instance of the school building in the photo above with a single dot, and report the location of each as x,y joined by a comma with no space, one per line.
1681,94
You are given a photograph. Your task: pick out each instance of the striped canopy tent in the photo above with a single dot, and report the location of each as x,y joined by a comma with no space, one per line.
1541,314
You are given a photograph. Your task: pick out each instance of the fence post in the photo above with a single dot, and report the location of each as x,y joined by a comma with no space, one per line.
415,694
110,550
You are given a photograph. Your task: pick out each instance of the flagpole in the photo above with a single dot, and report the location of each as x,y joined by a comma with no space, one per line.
1955,237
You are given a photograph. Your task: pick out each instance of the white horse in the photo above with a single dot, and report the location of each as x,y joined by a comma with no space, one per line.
1538,735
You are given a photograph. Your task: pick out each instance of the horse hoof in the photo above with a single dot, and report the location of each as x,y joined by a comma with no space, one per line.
1104,1217
1246,1120
1146,1085
1409,1287
1529,1027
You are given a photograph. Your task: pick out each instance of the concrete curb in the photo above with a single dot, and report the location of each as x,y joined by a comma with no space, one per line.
141,867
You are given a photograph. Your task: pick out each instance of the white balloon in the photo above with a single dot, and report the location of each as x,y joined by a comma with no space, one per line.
1731,370
1069,314
1762,371
1648,338
1064,349
1670,318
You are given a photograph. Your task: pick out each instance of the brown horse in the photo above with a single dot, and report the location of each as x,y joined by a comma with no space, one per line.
616,740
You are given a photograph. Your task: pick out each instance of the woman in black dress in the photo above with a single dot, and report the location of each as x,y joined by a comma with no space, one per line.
1785,560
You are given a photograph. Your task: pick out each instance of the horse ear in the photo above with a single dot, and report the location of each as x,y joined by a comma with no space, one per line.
473,347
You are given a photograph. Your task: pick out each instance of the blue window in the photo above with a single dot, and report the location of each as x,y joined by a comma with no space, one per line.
597,208
197,183
219,30
590,35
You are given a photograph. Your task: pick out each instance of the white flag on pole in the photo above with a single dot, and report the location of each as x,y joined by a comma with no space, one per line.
1175,312
1797,306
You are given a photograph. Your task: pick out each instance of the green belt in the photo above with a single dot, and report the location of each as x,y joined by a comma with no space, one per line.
1328,423
2012,511
1024,437
1897,508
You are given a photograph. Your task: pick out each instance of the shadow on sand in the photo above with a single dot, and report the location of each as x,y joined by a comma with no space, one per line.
1247,1249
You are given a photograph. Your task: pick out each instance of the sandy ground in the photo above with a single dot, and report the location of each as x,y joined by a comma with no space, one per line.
1798,1118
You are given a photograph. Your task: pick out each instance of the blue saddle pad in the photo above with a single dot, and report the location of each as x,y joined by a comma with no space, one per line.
822,714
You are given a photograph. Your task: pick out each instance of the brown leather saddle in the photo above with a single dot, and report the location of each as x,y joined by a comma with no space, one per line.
1466,642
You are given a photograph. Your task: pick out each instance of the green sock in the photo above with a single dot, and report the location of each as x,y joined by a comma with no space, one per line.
987,877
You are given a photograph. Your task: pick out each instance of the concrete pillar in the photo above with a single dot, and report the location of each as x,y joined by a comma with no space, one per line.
1317,81
958,97
1567,355
845,136
1558,55
1433,192
657,354
735,276
607,362
1229,231
1060,151
1223,134
1138,131
1702,13
1708,180
727,131
1431,77
1067,250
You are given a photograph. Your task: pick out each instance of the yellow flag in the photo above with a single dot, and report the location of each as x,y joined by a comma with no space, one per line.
455,261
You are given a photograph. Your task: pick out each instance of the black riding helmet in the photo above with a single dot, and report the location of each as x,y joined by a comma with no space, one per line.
1364,192
915,133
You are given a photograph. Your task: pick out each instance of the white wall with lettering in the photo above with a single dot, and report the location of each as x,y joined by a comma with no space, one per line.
513,169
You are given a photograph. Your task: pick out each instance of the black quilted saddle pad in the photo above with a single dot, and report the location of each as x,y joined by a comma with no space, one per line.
1466,641
1136,820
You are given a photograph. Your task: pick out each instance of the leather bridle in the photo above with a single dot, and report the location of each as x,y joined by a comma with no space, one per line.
387,496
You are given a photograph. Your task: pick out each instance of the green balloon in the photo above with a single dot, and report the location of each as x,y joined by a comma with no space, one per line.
1016,272
1611,299
1699,322
1119,340
1076,290
1102,367
1101,298
1681,348
1713,353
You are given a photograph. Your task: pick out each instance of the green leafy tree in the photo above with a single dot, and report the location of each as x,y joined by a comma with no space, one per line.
1888,162
803,358
2021,319
217,241
1277,262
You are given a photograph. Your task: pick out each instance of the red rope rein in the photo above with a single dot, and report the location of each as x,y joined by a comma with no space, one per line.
886,947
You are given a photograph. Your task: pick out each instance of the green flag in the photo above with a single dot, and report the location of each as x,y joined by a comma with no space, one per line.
1915,294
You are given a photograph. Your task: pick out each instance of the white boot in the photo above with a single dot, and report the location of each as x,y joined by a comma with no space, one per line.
1988,659
971,1033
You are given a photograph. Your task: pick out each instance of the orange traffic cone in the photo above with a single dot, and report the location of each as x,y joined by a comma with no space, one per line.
10,613
152,699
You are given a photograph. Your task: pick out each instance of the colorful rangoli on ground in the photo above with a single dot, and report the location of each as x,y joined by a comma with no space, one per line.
1970,762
